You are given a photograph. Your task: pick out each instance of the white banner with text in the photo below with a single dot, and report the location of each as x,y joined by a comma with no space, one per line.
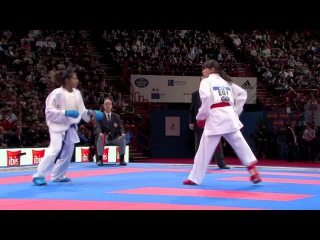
178,89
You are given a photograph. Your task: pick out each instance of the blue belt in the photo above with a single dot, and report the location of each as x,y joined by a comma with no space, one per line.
64,142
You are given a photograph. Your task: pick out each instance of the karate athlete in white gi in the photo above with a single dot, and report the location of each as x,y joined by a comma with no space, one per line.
64,110
222,103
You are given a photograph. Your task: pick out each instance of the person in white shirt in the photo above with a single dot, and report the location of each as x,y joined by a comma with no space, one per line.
222,103
308,138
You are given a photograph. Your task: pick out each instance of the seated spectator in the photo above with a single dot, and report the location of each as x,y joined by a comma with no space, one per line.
44,137
8,116
82,136
32,134
3,138
19,140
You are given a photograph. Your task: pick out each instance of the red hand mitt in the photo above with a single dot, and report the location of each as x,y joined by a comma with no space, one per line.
201,123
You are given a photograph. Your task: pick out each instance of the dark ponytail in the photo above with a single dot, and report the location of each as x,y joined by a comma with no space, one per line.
60,77
225,76
217,69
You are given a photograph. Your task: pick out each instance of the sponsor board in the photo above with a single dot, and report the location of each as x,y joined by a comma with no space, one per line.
111,154
15,157
178,89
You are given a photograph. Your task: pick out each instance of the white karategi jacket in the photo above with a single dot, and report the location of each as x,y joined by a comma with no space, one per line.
220,120
55,112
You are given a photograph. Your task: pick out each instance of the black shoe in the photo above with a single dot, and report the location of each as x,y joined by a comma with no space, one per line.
100,163
123,163
224,167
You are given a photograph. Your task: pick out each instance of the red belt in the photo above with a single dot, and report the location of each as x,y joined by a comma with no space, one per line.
221,104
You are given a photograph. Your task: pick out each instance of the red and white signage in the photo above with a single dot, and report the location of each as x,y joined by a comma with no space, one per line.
111,154
84,154
13,157
37,156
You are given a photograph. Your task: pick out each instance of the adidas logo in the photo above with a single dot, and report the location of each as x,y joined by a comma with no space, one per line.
247,85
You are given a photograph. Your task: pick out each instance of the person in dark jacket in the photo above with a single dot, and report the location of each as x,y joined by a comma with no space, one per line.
292,142
110,130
